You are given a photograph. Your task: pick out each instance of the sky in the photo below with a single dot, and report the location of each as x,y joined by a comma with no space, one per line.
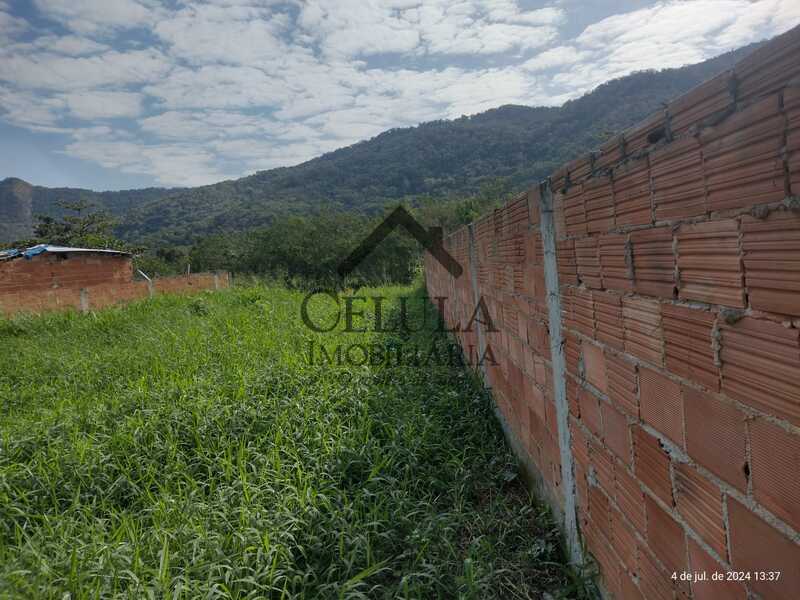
116,94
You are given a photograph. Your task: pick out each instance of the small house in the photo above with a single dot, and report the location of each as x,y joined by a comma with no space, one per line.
47,267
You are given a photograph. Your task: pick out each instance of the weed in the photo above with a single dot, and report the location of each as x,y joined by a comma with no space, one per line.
184,448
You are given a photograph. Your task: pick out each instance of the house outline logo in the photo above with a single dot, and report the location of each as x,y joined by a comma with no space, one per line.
431,240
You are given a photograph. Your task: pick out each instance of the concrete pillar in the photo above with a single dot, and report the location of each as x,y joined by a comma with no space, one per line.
84,302
548,231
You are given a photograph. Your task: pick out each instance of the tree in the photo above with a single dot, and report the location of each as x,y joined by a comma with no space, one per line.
84,228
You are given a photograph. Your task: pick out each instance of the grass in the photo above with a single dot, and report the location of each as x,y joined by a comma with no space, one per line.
185,448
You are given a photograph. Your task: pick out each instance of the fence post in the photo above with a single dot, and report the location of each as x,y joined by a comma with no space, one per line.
548,230
84,302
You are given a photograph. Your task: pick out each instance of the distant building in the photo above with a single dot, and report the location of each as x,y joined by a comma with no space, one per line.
46,267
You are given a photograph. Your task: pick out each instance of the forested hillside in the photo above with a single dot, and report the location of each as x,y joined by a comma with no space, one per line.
518,144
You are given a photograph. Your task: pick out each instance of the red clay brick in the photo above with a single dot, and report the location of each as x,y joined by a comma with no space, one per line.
628,588
590,411
568,309
710,264
654,581
583,311
661,404
623,540
715,436
757,546
772,262
768,68
559,218
599,511
572,353
654,262
665,537
539,337
701,562
534,399
600,548
579,444
703,102
775,455
791,103
580,168
622,386
742,157
599,204
649,131
616,262
567,267
603,463
611,153
678,187
760,366
652,464
643,335
534,200
688,344
630,498
700,504
558,179
594,364
632,193
608,319
588,262
574,211
616,432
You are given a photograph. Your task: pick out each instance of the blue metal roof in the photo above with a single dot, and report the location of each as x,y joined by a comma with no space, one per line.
42,248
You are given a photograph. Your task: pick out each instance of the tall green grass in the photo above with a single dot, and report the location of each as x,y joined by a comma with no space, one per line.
185,448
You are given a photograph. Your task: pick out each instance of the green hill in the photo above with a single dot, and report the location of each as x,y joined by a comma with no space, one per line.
442,158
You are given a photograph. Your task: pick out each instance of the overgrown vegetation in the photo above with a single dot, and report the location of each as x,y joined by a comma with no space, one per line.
306,251
298,251
185,448
80,224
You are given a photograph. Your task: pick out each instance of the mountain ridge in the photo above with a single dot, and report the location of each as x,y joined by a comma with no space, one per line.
442,158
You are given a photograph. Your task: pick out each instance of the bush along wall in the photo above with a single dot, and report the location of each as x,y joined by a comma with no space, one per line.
645,329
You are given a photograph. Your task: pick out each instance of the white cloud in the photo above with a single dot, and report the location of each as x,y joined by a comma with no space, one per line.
56,72
353,27
92,16
169,164
230,35
671,34
210,124
104,105
10,25
72,45
218,86
211,89
560,56
31,111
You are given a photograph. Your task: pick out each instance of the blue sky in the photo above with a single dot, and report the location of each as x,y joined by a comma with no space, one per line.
112,94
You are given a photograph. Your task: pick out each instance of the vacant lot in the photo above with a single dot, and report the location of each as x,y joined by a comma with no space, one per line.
185,448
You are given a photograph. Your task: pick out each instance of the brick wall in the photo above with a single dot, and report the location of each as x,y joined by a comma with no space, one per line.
100,295
663,408
73,270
